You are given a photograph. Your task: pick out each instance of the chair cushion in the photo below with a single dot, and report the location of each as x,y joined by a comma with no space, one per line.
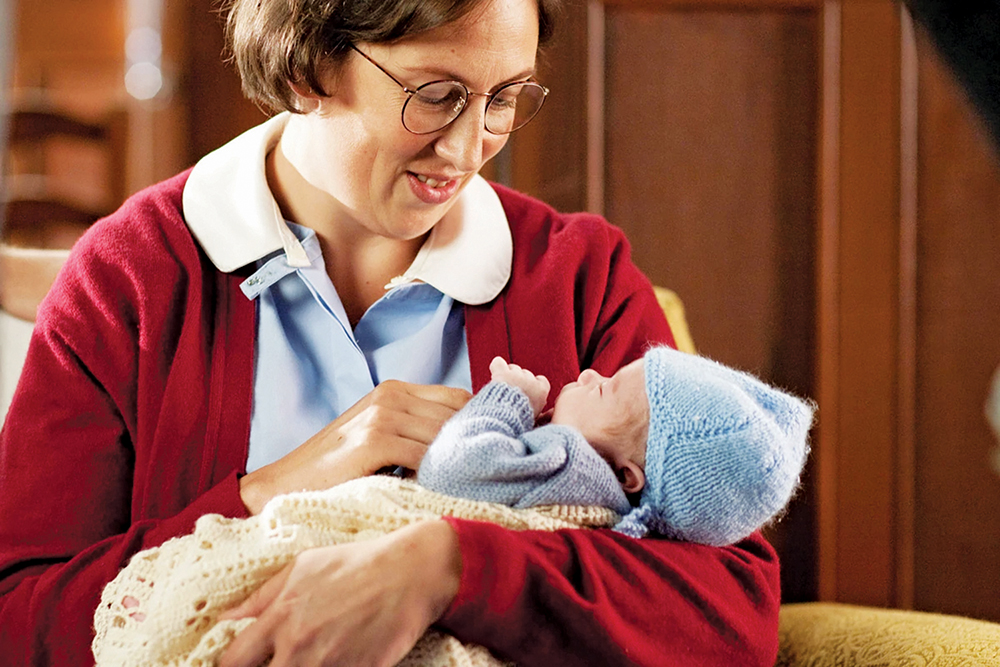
818,634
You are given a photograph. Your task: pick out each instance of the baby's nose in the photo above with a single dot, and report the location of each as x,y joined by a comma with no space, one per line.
589,375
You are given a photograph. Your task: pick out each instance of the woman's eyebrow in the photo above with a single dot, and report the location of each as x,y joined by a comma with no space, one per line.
440,74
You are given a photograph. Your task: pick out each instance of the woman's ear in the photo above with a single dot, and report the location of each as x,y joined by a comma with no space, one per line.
630,475
307,98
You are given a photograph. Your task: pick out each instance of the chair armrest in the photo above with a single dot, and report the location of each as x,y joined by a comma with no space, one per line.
820,634
26,274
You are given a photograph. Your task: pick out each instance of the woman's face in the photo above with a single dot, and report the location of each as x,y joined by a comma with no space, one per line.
353,146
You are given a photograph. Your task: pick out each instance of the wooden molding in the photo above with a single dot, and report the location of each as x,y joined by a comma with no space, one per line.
828,303
867,316
907,392
595,107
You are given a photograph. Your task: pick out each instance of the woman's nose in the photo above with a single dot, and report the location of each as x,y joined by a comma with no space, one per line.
461,143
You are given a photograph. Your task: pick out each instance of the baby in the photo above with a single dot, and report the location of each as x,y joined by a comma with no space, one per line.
677,444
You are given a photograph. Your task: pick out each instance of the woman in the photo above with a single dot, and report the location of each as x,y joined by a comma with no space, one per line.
199,355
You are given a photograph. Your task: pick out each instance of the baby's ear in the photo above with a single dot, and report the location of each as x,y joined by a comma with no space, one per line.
630,475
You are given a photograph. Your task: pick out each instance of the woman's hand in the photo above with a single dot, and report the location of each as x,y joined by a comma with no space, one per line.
364,603
535,386
391,426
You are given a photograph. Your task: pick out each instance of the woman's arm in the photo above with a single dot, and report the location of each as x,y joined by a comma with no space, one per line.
98,457
599,598
564,598
64,520
66,524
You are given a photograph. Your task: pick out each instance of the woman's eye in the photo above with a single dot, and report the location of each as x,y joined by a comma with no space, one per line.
440,98
504,103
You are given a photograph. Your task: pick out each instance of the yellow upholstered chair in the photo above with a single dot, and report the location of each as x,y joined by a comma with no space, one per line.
823,634
673,308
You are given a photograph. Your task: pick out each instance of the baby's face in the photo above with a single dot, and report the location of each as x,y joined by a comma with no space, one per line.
601,408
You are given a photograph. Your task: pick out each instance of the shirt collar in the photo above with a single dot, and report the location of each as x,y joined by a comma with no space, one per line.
231,212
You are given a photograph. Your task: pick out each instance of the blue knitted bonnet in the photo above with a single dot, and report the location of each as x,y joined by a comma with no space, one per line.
724,450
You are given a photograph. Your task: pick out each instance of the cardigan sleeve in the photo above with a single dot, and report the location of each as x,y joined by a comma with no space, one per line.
597,597
96,461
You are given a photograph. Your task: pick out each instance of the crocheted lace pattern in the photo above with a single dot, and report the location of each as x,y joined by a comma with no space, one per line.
162,608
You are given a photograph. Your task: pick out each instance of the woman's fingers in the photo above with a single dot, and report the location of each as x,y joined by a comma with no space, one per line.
363,603
255,643
399,420
435,401
431,400
260,599
381,423
391,426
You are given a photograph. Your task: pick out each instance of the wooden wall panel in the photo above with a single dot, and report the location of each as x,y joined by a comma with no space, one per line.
548,158
957,529
217,111
908,315
711,169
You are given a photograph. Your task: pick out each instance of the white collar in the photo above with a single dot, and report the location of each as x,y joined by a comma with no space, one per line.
231,212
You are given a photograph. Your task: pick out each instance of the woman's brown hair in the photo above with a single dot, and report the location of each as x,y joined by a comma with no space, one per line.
275,43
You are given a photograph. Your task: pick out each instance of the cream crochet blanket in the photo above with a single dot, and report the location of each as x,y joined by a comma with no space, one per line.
162,608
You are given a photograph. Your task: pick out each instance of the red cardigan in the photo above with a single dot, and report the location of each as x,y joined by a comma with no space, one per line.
132,420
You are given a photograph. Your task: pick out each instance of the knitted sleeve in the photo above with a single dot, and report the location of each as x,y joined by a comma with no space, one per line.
488,451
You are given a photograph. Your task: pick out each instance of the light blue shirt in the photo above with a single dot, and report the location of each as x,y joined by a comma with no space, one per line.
310,366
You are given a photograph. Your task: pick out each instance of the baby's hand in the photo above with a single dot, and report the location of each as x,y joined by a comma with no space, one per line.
535,386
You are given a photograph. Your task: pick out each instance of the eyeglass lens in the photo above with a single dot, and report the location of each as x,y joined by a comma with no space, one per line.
435,105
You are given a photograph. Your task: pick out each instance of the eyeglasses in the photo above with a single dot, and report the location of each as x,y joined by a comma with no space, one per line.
436,105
